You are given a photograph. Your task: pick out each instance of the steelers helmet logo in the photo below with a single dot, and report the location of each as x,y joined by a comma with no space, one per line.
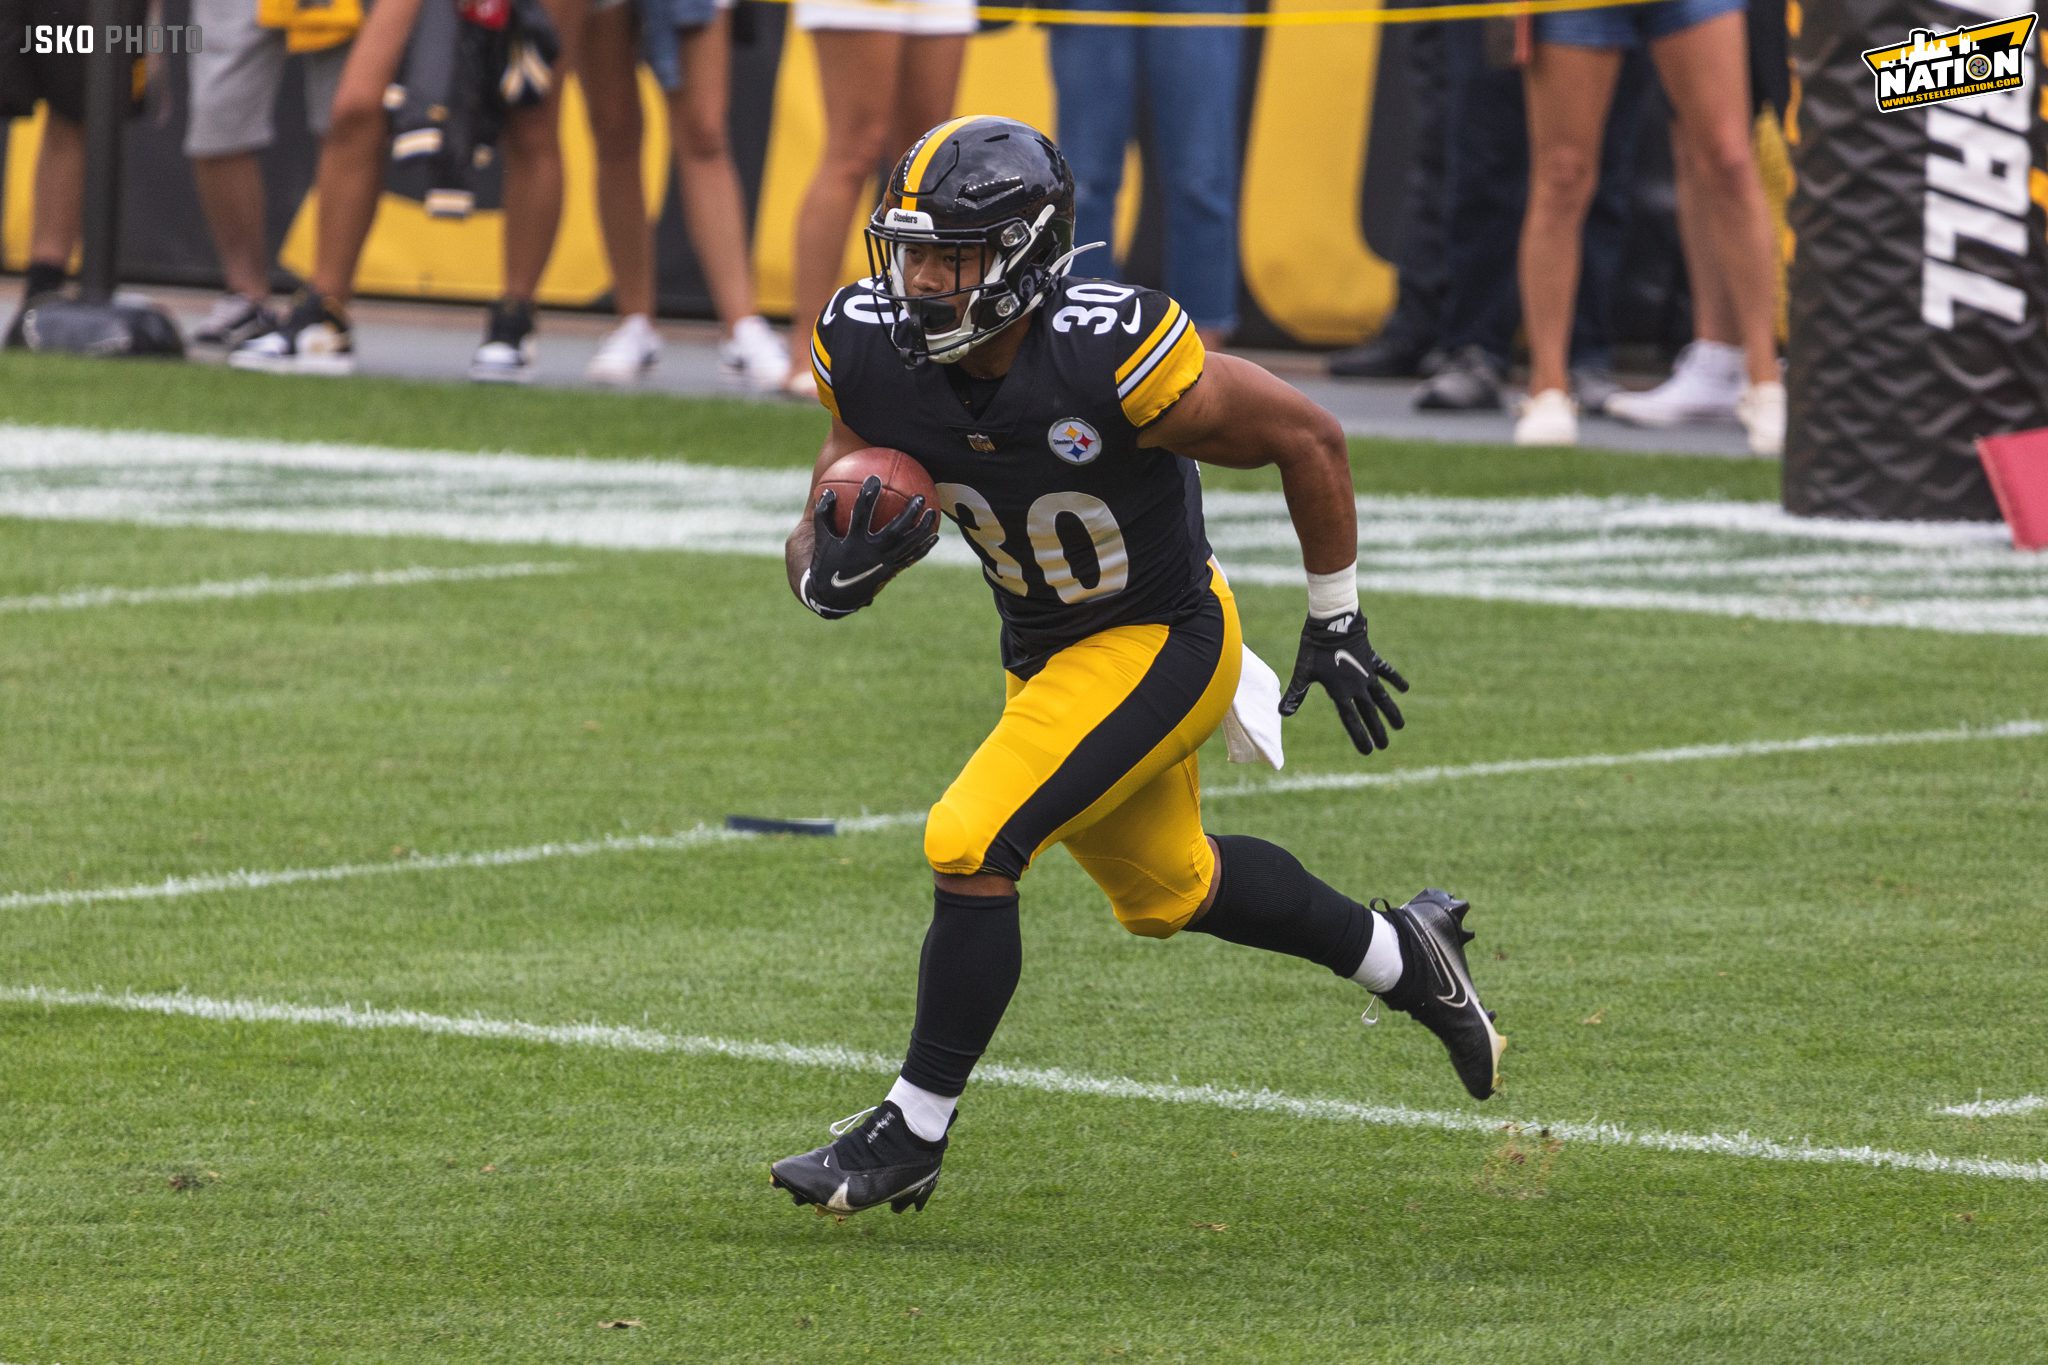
1073,440
1978,67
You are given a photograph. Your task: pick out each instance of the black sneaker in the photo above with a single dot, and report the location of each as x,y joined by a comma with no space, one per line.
233,319
1384,357
1467,381
313,338
1436,986
506,356
879,1162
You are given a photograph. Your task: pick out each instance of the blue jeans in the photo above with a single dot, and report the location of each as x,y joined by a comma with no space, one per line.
1193,81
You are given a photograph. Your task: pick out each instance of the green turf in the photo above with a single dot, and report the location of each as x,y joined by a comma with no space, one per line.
1820,946
65,390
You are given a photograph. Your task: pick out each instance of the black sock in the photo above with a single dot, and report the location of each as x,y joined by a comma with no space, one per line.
1266,899
973,954
42,278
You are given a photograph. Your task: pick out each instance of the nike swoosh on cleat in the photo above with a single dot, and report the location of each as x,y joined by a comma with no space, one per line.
1457,999
839,582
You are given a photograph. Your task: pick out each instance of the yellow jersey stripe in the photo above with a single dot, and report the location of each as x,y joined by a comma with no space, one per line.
1147,346
821,369
1161,387
913,179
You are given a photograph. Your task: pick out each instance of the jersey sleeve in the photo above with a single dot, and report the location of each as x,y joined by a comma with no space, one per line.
830,336
1165,363
821,371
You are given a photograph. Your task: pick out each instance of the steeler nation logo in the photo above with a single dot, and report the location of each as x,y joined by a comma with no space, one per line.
1073,440
1976,59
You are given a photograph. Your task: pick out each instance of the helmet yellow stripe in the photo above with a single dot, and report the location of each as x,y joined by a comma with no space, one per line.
913,179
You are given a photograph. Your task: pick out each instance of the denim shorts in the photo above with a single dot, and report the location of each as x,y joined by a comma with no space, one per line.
660,23
1627,25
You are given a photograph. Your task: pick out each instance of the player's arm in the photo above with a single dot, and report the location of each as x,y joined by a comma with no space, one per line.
837,575
1239,416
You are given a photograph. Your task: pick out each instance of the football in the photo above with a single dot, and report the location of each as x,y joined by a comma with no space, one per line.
902,479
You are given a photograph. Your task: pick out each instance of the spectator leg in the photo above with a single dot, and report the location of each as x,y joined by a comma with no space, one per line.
533,165
927,84
1705,70
713,207
858,72
1567,91
607,71
1606,231
351,175
231,196
57,217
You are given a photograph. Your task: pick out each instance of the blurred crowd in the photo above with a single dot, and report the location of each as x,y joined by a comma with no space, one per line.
1524,151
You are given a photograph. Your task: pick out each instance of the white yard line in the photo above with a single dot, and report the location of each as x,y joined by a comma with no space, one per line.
1048,1080
1693,753
263,585
696,836
1991,1109
1704,556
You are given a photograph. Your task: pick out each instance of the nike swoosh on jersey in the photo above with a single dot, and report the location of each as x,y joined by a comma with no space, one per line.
839,582
1137,312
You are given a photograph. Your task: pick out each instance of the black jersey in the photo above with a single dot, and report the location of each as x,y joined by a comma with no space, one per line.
1077,526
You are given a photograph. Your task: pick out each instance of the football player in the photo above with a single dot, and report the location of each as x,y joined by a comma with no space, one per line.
1061,419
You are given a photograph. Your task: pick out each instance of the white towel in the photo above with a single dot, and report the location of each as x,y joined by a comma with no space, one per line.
1252,729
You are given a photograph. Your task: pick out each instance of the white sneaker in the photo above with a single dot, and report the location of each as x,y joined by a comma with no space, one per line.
1762,410
312,338
1549,418
629,351
1704,384
754,356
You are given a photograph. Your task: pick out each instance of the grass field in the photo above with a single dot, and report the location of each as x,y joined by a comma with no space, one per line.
380,985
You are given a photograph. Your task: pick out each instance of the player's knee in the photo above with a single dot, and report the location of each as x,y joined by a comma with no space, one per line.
1143,904
1159,918
949,844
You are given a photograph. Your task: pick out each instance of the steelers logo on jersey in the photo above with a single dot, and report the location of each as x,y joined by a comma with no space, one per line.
1073,440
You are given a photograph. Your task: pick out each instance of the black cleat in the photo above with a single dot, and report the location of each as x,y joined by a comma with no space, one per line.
880,1162
1436,987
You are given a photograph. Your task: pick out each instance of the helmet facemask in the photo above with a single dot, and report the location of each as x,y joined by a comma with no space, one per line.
1021,262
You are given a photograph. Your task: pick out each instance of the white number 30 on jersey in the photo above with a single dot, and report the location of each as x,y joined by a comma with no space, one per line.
1098,320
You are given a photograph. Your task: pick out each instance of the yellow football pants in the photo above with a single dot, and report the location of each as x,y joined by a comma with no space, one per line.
1097,751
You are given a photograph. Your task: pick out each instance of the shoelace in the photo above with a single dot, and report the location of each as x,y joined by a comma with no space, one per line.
852,1121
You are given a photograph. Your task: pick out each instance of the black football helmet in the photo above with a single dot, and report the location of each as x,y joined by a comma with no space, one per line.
982,182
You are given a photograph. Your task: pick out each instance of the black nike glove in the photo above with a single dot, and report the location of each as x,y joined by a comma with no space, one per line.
1336,654
847,571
